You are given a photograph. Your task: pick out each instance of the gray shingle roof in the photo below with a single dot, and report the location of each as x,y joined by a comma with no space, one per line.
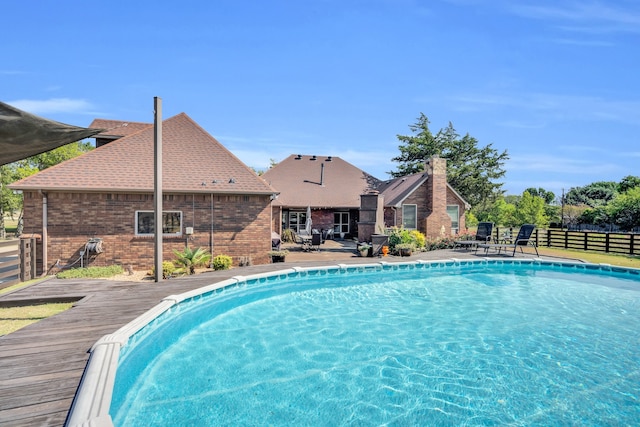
191,161
304,182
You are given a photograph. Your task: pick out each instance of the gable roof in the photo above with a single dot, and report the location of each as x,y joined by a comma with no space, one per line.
192,161
396,190
114,129
326,182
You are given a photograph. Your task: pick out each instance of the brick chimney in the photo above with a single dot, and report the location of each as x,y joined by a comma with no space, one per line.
437,221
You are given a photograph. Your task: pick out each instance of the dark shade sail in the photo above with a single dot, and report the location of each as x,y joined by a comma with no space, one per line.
24,135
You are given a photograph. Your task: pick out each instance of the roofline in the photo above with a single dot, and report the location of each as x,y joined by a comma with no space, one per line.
422,180
467,206
138,190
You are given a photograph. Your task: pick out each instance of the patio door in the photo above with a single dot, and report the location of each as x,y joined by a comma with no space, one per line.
297,221
341,222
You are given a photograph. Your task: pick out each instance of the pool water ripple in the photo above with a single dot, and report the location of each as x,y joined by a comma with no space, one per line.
486,347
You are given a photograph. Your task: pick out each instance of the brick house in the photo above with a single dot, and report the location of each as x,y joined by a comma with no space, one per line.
332,188
328,185
210,199
424,201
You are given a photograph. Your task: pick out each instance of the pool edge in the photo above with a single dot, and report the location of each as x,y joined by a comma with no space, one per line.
92,401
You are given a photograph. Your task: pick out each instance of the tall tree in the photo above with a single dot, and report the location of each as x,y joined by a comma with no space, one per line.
593,195
58,155
530,210
547,196
628,182
472,170
624,209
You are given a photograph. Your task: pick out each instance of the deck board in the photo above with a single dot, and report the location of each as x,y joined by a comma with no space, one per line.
41,365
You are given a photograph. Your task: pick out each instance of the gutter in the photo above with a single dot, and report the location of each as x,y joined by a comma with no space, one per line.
45,239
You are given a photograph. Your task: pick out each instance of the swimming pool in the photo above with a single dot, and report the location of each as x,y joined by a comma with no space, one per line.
457,343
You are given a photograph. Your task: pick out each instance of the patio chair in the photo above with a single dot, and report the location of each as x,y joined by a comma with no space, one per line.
483,235
316,241
522,239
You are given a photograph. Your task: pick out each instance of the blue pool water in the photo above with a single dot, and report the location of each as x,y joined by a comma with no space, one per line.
470,344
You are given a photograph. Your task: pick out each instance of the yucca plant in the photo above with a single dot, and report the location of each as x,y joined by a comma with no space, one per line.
188,259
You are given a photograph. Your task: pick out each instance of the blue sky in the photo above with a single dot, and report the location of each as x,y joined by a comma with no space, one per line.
555,83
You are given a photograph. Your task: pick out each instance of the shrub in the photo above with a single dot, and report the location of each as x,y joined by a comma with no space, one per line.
417,238
288,236
189,259
400,235
168,268
222,262
90,272
447,242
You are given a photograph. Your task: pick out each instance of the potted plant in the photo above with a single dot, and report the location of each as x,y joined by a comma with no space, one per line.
363,249
405,249
278,256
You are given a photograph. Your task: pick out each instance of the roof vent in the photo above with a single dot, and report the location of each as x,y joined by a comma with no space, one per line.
298,157
232,180
204,184
215,181
328,159
313,158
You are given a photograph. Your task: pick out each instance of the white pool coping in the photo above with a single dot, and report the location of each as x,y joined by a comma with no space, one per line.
92,401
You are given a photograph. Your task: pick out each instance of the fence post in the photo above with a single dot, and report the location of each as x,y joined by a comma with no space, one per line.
631,239
33,258
25,260
549,237
586,240
606,243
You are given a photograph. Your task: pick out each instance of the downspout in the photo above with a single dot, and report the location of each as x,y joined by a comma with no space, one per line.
45,239
211,231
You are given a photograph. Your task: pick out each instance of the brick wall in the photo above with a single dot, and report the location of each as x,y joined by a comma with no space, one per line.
437,222
235,225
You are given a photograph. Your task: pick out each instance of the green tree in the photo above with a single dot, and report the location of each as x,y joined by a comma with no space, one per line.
11,202
627,183
58,155
502,213
531,210
548,196
572,214
593,195
472,170
624,210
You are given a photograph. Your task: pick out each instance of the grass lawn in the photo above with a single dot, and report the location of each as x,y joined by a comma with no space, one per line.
10,225
14,318
593,257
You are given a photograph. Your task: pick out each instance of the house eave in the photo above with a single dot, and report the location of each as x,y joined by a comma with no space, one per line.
141,190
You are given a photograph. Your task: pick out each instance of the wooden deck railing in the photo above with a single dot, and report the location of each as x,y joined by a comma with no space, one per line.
17,261
9,263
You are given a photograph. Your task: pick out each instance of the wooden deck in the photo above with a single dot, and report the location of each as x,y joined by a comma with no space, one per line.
41,365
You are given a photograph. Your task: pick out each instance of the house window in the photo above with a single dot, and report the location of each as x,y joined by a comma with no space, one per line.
341,222
297,221
410,216
171,223
453,212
